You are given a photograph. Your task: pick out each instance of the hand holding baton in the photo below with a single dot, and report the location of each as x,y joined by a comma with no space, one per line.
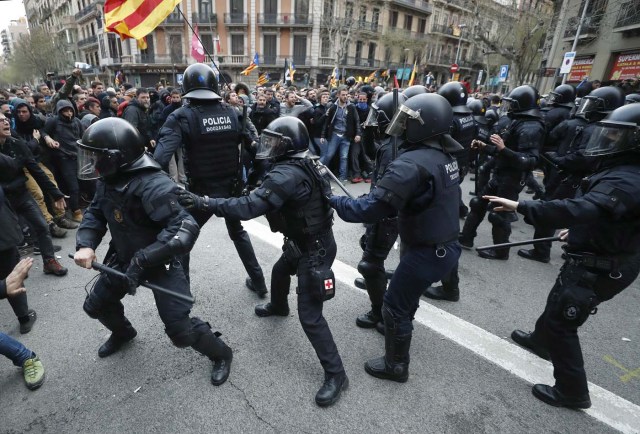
110,271
324,170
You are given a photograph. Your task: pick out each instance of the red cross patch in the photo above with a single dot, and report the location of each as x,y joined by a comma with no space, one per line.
328,283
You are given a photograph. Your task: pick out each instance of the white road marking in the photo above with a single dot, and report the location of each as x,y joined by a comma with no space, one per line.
607,407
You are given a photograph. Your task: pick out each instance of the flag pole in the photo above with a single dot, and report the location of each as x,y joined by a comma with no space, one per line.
203,47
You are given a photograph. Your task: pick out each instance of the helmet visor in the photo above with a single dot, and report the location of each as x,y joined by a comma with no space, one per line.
372,118
87,160
508,105
398,124
271,145
588,105
608,138
554,98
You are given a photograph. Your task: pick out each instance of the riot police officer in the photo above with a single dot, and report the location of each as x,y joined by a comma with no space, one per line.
421,185
516,152
602,254
485,119
211,132
150,237
379,237
463,129
293,196
568,165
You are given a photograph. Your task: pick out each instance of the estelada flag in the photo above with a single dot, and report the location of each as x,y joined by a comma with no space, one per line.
136,18
253,65
263,79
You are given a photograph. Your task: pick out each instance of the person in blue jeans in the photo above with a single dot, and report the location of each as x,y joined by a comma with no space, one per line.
341,125
20,355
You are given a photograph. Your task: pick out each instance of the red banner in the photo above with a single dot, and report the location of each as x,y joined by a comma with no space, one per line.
626,66
580,69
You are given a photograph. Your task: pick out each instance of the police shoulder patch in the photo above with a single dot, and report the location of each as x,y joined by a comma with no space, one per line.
117,215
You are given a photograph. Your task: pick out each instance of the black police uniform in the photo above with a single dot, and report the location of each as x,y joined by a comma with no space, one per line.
421,185
522,139
140,209
293,198
602,259
483,169
211,133
464,130
377,242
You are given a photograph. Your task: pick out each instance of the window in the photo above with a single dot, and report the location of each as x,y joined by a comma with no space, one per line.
375,18
204,6
408,22
299,49
175,48
348,11
325,47
387,53
393,19
327,8
115,45
269,48
207,43
358,53
363,14
237,6
422,25
237,44
371,57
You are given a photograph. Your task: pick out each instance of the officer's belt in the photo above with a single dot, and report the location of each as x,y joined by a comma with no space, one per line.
590,261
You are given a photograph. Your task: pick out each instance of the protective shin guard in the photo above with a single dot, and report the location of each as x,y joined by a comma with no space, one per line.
501,235
249,260
395,363
219,353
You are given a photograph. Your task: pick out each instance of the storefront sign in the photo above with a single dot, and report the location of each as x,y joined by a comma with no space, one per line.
581,69
625,66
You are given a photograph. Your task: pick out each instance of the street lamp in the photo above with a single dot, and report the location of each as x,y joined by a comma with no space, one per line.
404,66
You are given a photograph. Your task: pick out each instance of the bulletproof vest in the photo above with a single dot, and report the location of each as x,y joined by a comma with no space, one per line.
554,116
513,140
130,226
213,148
434,219
484,129
300,220
464,129
575,128
384,156
617,232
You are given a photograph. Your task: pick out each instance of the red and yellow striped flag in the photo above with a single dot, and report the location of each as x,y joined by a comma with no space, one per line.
136,18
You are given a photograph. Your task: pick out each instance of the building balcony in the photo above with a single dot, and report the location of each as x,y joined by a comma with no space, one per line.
236,19
590,27
211,19
416,5
368,26
362,62
161,59
173,20
408,34
234,60
448,31
285,20
458,4
88,42
278,61
628,17
87,13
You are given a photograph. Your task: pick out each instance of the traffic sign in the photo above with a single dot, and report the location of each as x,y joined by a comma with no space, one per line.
504,72
567,62
454,67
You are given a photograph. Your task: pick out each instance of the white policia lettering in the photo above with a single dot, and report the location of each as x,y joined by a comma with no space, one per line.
219,123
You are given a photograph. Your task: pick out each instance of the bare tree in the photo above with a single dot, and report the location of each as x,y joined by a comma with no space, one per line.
36,54
341,26
519,44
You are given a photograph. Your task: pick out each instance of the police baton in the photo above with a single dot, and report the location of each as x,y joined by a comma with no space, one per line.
518,243
550,162
110,271
324,170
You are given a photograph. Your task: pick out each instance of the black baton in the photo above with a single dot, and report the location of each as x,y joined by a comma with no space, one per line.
518,243
101,267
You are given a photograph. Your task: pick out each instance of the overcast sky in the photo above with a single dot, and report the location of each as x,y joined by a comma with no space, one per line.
10,10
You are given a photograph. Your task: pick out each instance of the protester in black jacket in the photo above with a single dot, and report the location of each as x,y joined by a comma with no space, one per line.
136,113
261,114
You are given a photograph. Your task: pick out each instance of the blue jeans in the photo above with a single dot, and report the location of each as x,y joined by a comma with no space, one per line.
14,350
327,154
419,267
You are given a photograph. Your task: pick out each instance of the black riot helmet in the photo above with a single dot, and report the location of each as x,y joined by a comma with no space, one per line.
381,112
491,116
422,117
617,133
632,98
414,90
200,82
107,147
284,136
457,95
476,107
563,96
350,81
522,101
600,101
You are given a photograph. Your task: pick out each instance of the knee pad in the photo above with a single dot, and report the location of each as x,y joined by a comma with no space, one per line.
181,333
371,268
496,218
573,304
477,204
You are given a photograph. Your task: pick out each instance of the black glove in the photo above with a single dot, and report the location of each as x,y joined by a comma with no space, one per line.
192,201
134,275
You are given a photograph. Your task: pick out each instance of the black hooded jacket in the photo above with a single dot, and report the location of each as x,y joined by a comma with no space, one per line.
65,131
24,130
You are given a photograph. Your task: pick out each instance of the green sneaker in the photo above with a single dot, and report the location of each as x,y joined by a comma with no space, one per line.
33,372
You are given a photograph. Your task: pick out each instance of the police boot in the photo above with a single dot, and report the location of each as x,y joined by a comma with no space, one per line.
553,396
394,365
529,341
260,288
440,293
500,236
248,257
270,309
359,282
121,332
370,319
533,255
219,353
330,391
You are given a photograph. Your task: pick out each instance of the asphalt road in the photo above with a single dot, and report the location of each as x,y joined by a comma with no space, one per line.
465,374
